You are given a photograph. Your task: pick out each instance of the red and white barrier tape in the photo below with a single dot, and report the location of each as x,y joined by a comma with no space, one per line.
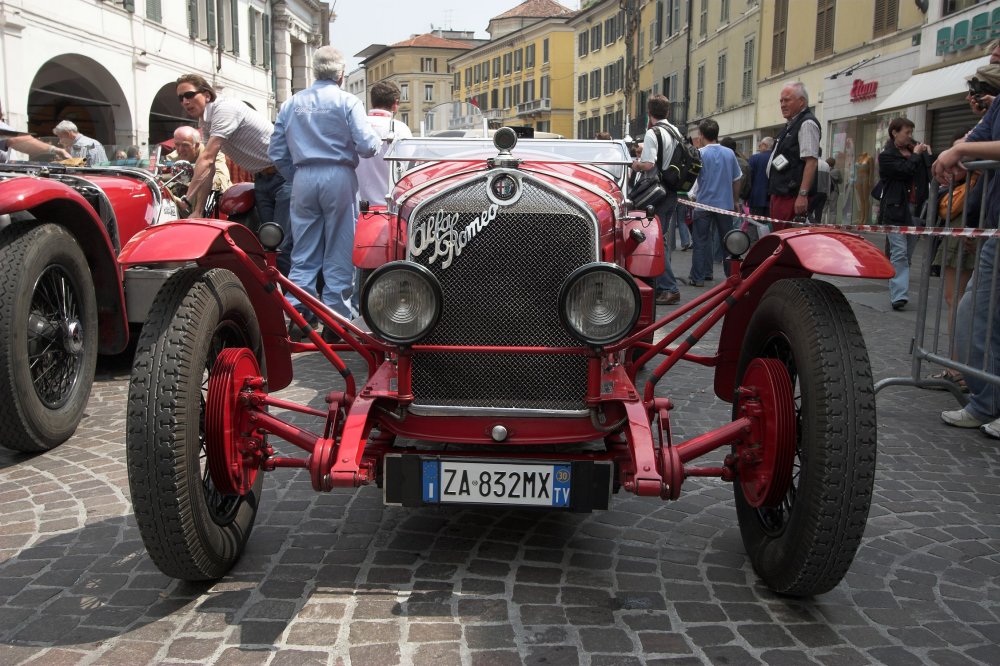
967,232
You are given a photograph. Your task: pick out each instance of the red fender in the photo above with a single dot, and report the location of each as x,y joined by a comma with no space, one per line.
52,201
823,251
647,259
374,238
803,252
237,200
210,243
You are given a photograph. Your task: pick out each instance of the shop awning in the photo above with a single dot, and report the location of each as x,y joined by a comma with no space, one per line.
935,84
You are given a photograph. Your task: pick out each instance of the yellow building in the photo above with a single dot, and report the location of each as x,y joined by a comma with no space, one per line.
723,62
523,76
419,66
668,35
600,70
830,37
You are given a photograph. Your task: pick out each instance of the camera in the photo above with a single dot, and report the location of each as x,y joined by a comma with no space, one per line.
978,87
780,162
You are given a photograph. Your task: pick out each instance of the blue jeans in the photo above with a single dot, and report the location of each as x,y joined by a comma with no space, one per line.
707,232
678,226
665,212
901,248
273,198
324,213
984,397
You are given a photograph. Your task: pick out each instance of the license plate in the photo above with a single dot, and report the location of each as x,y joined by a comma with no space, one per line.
496,483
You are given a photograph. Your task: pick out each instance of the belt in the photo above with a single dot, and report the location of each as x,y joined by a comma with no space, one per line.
268,171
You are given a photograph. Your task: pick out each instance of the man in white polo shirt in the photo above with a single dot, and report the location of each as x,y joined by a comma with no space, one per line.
244,135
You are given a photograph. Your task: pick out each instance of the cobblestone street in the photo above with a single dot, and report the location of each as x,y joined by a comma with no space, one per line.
338,578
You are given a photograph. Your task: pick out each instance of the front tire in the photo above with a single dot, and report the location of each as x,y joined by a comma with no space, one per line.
48,336
190,529
804,544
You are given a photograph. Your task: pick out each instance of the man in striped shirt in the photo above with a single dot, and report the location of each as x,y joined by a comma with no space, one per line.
244,135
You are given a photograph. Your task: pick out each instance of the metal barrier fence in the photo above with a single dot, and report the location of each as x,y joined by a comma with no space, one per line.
946,308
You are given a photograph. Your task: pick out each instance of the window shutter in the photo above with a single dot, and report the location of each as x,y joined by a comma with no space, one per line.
235,13
210,21
266,41
825,18
193,19
886,17
153,11
780,31
252,30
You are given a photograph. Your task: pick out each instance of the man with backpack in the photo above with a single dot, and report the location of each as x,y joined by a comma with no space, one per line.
657,151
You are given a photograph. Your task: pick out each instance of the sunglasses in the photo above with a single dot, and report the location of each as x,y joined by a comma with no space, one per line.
187,95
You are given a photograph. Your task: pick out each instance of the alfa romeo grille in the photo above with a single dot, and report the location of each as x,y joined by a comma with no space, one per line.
503,290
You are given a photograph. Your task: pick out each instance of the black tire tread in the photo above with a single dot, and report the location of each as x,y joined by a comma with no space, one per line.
155,439
828,520
19,433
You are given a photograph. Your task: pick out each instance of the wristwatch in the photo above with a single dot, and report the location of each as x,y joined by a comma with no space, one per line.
803,193
185,201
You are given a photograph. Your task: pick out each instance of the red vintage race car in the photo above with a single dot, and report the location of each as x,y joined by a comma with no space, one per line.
63,297
511,349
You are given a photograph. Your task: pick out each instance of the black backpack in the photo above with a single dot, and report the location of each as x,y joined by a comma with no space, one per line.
685,164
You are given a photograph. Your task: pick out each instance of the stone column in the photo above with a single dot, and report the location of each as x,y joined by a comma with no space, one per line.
281,22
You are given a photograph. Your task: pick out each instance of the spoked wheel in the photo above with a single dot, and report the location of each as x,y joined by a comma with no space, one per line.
802,542
191,529
48,336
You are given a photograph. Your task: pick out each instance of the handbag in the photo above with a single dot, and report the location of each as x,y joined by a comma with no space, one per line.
648,192
877,191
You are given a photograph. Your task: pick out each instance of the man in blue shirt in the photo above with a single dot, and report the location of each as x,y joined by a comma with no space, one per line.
719,186
319,136
983,143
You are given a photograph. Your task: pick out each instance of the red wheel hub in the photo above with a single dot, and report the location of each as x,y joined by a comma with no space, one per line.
765,458
234,454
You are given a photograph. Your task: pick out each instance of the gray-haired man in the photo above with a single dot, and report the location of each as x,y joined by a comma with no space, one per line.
319,136
79,145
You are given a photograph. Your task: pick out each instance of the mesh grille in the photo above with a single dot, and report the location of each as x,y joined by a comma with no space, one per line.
503,290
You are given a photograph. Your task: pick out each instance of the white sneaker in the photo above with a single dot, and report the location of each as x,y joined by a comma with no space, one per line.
961,419
991,429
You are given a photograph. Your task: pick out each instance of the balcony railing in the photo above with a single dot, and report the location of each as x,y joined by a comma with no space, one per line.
535,106
494,114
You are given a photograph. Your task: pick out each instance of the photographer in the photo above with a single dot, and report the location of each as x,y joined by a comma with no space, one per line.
982,91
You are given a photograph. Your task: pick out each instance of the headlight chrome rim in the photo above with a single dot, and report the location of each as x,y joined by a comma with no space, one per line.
376,318
577,281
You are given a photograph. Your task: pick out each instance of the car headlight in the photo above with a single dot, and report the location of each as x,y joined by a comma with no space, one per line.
401,301
599,303
736,242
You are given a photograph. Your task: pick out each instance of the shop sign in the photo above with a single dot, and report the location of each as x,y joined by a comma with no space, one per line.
977,31
862,90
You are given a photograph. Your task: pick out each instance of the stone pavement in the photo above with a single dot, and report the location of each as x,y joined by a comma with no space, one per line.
338,578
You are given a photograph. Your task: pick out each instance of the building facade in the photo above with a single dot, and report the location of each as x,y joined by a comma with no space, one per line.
670,44
523,78
419,66
723,61
111,70
600,69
